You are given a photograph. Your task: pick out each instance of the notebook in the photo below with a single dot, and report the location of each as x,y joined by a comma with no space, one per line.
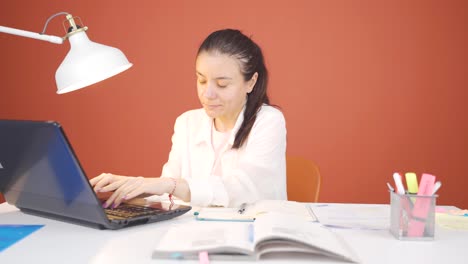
272,236
249,212
40,174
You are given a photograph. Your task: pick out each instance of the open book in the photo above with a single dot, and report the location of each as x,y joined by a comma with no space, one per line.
252,211
271,235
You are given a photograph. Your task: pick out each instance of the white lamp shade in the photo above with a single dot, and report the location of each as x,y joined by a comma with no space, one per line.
87,63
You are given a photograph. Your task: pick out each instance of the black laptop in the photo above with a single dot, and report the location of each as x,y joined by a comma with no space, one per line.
41,175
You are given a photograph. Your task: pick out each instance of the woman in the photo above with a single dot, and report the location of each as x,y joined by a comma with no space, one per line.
232,151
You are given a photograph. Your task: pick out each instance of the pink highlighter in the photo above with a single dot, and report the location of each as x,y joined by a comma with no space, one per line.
421,206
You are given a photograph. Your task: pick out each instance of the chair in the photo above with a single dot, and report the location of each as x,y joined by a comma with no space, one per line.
303,179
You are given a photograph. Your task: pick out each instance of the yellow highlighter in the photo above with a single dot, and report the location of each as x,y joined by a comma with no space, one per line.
411,182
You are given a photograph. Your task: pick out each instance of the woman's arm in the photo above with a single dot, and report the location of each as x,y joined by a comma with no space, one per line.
128,187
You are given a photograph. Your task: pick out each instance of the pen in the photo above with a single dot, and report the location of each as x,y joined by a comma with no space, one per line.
242,208
390,187
436,187
399,184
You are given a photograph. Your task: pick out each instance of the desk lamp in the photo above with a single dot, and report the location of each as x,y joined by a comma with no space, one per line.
86,63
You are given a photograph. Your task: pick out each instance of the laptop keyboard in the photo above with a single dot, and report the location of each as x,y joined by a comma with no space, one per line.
124,211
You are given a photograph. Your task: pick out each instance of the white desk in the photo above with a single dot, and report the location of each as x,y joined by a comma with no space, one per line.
59,242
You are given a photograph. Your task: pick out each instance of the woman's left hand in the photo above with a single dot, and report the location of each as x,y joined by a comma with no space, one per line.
126,187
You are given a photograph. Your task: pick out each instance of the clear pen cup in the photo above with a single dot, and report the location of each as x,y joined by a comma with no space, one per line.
412,217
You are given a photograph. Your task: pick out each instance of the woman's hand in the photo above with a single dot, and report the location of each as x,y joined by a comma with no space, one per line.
127,187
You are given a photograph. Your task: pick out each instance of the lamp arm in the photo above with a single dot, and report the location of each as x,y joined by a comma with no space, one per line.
29,34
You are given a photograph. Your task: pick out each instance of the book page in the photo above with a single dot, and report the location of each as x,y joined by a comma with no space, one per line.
276,232
282,206
188,239
353,216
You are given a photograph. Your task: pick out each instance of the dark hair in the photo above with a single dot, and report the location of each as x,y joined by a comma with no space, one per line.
233,43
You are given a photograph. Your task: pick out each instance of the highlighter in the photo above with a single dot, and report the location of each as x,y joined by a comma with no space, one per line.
422,206
411,182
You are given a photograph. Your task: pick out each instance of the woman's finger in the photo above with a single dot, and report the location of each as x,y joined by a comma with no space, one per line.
137,188
96,179
129,186
110,200
121,187
112,185
135,192
103,180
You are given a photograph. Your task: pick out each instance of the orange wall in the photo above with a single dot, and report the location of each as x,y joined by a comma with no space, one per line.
367,87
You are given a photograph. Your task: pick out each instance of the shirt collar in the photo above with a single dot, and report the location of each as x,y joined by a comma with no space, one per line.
204,134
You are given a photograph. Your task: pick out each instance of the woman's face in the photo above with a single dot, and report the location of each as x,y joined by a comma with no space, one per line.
221,87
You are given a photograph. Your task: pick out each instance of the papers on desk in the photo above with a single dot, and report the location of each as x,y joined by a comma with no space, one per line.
353,216
10,234
453,219
250,212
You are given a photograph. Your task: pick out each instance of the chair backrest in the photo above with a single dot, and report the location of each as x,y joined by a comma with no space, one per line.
303,179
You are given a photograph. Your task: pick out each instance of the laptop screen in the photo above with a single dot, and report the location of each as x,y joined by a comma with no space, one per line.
40,171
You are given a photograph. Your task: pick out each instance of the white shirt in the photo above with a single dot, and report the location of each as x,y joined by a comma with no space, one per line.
219,141
254,172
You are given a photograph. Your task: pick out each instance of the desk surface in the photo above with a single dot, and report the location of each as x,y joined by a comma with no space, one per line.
59,242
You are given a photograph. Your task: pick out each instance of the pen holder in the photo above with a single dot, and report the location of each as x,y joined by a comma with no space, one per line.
412,217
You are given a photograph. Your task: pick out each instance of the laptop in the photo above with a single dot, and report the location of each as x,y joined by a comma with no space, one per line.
41,175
